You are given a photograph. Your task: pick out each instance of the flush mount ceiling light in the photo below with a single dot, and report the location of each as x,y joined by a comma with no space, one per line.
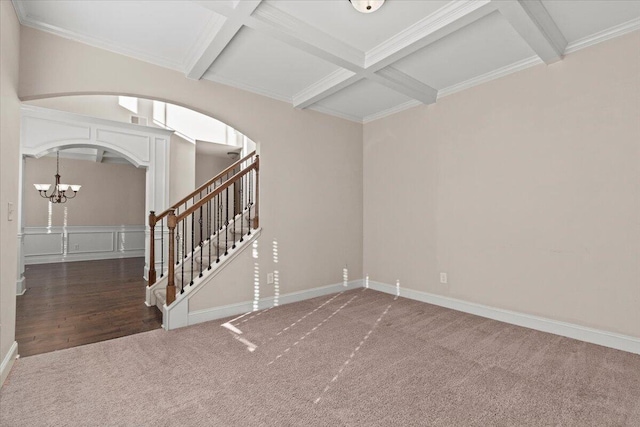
60,193
366,6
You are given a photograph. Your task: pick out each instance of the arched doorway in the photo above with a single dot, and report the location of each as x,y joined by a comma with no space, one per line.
45,130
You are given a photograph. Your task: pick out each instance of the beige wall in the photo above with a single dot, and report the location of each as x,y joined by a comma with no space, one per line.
311,169
103,107
111,194
9,162
525,190
209,165
181,168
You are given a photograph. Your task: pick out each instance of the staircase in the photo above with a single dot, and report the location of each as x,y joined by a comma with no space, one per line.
198,236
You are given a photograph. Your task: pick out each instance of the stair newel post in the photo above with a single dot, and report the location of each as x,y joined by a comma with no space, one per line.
171,285
256,218
152,250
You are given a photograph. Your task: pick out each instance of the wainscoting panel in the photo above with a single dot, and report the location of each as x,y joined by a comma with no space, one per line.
40,243
89,242
131,241
44,245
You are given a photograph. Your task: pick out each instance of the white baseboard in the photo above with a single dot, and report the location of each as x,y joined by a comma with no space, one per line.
51,259
20,287
570,330
7,362
246,306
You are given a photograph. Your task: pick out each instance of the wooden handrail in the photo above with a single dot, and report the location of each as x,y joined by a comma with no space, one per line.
173,222
217,191
204,186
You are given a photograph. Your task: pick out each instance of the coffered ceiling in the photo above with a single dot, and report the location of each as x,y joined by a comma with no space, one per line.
326,56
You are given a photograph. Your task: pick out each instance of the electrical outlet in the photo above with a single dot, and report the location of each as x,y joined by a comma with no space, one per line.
443,278
9,211
76,247
269,278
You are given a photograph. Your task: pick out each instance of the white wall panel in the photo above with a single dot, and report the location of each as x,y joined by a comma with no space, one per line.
82,243
92,241
43,243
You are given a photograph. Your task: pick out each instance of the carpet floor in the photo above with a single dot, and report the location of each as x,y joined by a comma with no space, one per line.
358,358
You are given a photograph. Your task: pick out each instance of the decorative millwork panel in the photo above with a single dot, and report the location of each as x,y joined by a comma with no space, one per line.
44,130
82,243
136,145
39,131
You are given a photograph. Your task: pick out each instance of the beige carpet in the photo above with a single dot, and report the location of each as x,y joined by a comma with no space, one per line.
358,358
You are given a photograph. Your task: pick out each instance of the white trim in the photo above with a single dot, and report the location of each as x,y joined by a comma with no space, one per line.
243,86
570,330
609,33
326,86
176,315
536,27
449,18
326,110
20,286
7,362
247,306
219,35
390,111
65,233
491,75
405,84
51,114
33,22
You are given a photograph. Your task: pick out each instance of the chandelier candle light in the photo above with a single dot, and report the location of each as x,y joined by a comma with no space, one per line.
59,193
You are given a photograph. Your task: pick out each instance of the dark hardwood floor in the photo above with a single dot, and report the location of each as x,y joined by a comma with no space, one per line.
75,303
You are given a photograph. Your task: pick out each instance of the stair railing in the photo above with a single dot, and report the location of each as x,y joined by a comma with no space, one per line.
159,222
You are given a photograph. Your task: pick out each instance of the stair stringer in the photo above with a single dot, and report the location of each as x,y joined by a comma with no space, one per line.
176,315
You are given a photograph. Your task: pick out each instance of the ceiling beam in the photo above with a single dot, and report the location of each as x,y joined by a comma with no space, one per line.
220,34
405,84
448,19
99,155
325,87
354,64
294,32
534,24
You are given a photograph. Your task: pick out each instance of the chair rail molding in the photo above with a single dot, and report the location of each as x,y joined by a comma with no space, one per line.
43,131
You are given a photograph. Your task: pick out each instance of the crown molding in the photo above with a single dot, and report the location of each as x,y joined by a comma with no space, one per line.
492,75
195,52
18,6
531,20
326,110
450,18
390,111
176,65
249,88
218,37
324,87
599,37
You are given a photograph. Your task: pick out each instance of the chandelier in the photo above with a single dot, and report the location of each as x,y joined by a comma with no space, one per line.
59,193
366,6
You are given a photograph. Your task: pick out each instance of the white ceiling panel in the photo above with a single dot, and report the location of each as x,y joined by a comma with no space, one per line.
252,60
162,32
579,19
486,45
362,31
363,99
